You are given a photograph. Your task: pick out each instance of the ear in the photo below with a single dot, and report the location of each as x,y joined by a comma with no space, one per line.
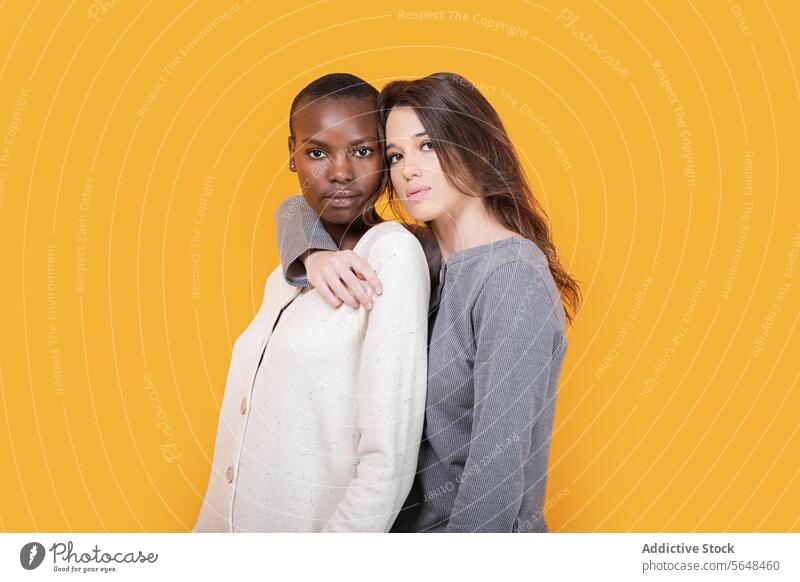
292,165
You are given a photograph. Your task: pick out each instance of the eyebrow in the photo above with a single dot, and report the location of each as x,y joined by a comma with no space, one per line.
420,134
311,140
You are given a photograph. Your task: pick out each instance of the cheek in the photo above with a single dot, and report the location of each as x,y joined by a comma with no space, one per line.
397,179
309,176
430,164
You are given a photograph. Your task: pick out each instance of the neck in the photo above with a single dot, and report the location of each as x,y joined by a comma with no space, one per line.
469,225
345,235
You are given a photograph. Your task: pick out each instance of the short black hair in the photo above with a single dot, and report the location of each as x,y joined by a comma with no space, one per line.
334,86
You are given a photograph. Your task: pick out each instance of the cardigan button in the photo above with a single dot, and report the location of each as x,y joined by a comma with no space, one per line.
229,474
243,407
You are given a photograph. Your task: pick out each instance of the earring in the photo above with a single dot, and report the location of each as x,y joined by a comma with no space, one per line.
291,166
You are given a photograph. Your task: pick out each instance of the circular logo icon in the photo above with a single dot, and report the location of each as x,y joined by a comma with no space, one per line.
31,555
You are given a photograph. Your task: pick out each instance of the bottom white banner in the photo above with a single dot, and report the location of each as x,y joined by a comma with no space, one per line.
553,556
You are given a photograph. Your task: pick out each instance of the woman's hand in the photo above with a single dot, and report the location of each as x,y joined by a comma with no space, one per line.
338,275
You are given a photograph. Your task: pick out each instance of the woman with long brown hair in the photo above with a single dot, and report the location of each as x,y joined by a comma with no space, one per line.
499,307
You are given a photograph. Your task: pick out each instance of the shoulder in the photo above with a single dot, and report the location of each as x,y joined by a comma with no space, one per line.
522,264
387,228
390,238
518,277
275,278
396,256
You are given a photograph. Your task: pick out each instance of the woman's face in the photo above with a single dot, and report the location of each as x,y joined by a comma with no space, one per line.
414,168
336,156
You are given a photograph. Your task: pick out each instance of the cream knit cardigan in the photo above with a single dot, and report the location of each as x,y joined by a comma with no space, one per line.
324,434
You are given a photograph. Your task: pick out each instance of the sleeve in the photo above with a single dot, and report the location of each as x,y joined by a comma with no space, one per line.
515,325
392,384
299,230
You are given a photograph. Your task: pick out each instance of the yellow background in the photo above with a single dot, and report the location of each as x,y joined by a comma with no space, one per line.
143,154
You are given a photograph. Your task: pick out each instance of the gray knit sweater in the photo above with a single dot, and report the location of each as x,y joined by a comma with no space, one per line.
497,341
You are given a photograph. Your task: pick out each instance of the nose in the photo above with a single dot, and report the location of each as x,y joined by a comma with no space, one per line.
411,171
341,169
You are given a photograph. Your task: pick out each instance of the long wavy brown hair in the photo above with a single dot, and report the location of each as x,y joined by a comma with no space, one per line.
477,156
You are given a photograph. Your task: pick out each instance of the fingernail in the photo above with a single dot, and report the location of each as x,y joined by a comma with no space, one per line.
380,290
369,305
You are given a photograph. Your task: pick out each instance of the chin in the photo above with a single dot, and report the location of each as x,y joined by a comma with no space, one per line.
423,212
341,215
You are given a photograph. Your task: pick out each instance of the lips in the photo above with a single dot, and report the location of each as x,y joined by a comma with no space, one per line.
342,198
417,191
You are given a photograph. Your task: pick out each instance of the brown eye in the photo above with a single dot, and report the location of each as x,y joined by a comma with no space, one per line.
316,154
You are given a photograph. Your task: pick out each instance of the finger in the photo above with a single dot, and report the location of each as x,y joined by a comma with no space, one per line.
355,287
328,295
340,292
361,267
